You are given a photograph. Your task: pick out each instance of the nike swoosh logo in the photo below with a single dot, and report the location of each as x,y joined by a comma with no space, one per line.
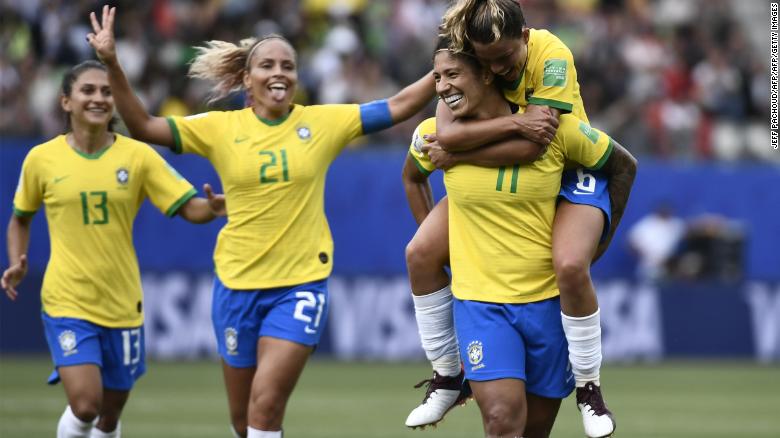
58,179
240,139
577,192
309,331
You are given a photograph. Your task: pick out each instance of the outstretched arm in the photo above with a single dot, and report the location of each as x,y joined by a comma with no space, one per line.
141,124
621,167
18,242
537,123
412,98
418,190
202,210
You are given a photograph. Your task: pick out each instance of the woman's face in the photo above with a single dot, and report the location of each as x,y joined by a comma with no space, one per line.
90,102
272,75
504,57
458,84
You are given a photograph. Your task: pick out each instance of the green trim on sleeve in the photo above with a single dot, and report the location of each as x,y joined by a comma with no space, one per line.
176,136
604,157
171,212
563,106
422,169
22,213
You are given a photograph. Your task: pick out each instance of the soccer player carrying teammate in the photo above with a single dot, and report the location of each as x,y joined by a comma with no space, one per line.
92,182
506,307
538,74
275,254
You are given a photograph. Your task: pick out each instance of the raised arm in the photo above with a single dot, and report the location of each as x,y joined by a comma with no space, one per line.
621,167
537,123
412,98
18,242
418,190
141,124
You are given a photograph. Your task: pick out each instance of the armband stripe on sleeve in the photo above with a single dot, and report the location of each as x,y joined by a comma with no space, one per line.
375,116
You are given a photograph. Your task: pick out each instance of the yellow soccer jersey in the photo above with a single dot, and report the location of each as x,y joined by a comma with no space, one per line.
549,77
91,202
500,219
273,176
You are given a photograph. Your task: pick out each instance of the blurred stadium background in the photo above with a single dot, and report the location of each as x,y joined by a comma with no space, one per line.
693,343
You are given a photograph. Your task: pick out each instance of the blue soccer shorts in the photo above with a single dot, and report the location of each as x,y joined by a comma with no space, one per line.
119,352
515,341
588,187
241,317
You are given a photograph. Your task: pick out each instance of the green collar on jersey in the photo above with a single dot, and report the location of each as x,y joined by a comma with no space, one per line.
275,122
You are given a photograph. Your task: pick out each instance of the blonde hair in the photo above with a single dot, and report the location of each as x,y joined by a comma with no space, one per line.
482,21
225,63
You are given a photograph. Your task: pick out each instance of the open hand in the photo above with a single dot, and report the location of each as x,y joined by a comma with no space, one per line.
216,201
13,276
102,37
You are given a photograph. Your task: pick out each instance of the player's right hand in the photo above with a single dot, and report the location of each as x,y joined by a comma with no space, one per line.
102,37
13,276
537,124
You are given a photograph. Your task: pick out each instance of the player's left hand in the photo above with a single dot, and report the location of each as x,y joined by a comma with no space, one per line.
216,201
439,157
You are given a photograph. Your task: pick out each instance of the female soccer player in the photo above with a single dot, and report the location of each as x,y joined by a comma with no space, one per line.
275,254
506,305
92,182
539,75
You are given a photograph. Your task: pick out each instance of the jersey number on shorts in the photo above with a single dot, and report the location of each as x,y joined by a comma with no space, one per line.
131,345
306,299
264,179
513,181
97,200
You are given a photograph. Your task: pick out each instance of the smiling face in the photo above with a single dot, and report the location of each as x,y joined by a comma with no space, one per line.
90,103
272,77
504,57
461,85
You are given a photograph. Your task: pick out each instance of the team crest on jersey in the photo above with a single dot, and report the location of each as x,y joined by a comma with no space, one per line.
304,133
231,341
122,176
475,355
68,342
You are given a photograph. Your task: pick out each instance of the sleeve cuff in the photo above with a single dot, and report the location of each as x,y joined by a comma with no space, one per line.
604,157
176,136
420,167
23,213
563,106
171,212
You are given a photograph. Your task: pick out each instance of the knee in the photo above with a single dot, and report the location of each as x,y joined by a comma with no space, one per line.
86,409
420,255
503,420
266,409
571,270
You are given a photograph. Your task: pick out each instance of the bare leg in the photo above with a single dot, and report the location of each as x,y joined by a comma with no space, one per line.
503,406
542,412
238,383
429,252
113,403
279,365
84,390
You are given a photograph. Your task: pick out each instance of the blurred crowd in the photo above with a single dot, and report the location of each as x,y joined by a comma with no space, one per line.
670,78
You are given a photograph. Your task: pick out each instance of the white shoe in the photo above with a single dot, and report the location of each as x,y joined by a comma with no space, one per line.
596,418
443,394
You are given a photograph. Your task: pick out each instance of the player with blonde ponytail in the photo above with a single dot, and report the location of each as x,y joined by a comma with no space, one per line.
275,254
539,76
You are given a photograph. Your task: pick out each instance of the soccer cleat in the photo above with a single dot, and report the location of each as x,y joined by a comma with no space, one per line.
443,393
596,418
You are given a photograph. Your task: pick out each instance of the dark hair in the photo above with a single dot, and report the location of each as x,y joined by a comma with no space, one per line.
444,43
71,76
483,21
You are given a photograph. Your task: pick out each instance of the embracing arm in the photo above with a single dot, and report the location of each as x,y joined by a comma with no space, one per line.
418,190
203,210
621,168
412,98
537,123
18,242
141,124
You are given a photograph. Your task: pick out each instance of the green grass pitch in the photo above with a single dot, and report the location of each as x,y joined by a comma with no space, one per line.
333,399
